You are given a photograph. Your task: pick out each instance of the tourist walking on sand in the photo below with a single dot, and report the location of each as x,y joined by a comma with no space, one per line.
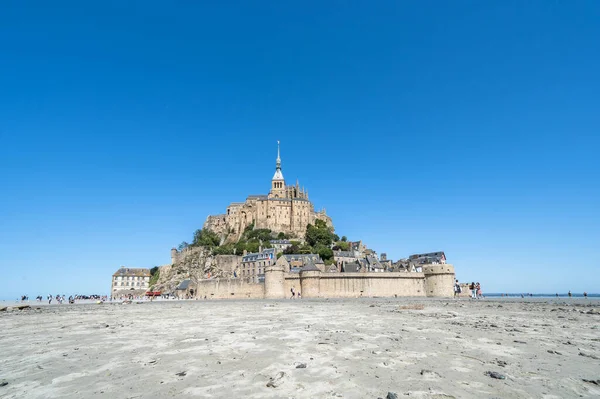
293,293
456,289
570,295
472,288
478,291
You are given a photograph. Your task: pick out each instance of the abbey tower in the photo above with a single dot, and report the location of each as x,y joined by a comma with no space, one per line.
285,209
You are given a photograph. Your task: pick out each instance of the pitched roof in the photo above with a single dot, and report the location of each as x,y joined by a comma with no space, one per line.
126,271
350,267
184,284
309,266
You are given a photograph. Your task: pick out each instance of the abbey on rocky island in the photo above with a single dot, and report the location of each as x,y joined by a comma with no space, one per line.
285,209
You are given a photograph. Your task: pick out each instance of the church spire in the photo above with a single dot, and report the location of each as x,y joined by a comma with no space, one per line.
278,157
278,175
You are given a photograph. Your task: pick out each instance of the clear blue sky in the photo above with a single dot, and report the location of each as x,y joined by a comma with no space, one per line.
469,126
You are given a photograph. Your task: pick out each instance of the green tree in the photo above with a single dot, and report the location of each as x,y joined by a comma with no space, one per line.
261,234
292,249
318,234
154,277
305,249
341,246
344,238
206,238
282,236
252,246
324,251
183,246
226,249
279,255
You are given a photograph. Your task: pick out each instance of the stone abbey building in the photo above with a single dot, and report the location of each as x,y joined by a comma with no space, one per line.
285,209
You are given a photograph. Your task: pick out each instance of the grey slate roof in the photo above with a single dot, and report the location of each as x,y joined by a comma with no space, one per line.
267,253
302,257
350,267
184,285
128,271
309,266
280,241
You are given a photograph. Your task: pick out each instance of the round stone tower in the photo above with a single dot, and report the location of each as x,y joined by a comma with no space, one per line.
274,281
309,280
174,255
439,280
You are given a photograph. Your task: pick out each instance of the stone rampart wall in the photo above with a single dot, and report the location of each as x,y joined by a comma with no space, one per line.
230,288
353,285
434,281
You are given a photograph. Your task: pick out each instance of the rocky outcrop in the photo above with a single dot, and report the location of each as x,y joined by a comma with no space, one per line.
195,263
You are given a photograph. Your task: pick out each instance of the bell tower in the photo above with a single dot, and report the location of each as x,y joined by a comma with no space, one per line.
277,183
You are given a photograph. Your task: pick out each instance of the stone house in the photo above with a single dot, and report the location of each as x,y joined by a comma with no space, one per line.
127,281
341,257
254,264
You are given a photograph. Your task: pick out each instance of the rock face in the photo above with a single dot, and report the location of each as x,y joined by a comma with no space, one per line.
195,263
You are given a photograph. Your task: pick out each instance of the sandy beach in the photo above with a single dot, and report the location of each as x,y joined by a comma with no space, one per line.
304,349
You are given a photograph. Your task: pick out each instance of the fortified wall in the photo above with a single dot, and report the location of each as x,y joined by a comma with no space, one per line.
434,281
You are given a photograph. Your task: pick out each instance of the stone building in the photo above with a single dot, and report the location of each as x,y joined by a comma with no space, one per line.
343,257
286,208
431,258
385,262
253,265
297,261
280,245
127,281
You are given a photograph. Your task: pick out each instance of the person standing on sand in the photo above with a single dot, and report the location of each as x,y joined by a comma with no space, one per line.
478,291
472,288
585,294
293,293
570,295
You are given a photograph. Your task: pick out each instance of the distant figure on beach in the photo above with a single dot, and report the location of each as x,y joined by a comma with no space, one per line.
557,294
299,295
585,294
472,288
522,296
478,291
293,293
570,295
456,288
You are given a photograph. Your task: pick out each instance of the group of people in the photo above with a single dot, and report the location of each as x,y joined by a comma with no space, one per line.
475,289
62,298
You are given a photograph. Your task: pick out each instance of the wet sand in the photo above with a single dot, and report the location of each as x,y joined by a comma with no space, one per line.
363,348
